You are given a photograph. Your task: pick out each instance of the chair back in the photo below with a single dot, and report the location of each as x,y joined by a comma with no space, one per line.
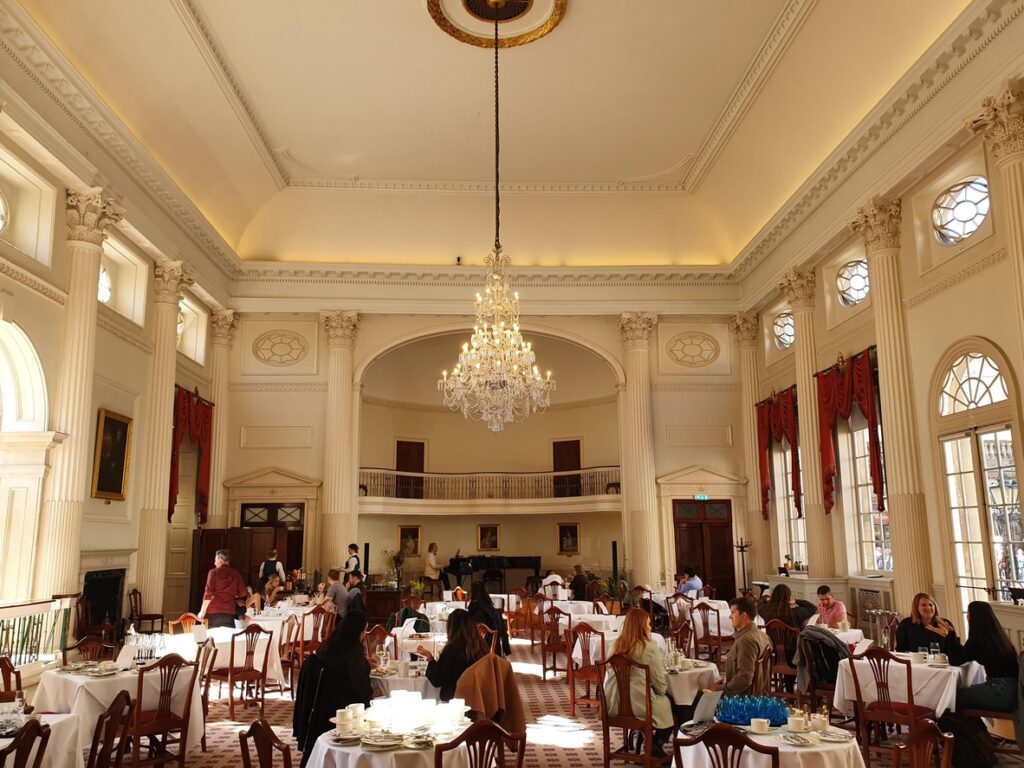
485,743
521,593
675,606
593,589
168,668
488,635
134,603
459,595
374,636
185,623
784,642
644,598
554,638
207,658
708,615
709,591
609,605
90,647
250,638
10,677
286,644
263,737
725,746
109,739
924,737
18,753
584,634
620,667
550,590
763,672
412,601
879,661
892,626
682,634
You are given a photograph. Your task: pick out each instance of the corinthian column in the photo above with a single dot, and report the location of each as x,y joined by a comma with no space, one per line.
879,224
798,286
763,537
339,521
1001,120
169,280
89,216
222,328
639,498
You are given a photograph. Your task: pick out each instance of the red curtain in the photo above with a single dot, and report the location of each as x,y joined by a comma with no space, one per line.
838,388
193,416
777,419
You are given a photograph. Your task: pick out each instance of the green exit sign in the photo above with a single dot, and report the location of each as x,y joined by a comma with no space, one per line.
701,497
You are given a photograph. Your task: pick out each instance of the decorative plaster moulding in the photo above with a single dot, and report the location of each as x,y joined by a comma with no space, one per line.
312,387
978,265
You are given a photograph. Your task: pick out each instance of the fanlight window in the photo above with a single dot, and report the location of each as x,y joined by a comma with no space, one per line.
5,212
974,381
960,210
852,282
106,288
784,329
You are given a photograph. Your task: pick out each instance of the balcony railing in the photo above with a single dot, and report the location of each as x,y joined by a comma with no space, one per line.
389,484
35,630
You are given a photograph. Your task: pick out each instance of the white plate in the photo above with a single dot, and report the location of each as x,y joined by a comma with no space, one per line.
835,736
797,740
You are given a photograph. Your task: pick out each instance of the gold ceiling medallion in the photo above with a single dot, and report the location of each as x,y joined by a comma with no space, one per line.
457,18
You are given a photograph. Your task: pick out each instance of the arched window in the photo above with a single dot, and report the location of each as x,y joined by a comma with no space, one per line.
976,440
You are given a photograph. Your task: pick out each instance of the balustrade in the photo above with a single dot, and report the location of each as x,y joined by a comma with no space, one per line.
390,484
34,631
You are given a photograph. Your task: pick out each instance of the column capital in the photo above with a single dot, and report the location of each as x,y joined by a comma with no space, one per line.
798,285
222,325
341,327
635,328
1001,120
744,327
89,215
170,279
878,222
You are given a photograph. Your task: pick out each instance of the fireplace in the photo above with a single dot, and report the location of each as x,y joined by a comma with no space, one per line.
103,593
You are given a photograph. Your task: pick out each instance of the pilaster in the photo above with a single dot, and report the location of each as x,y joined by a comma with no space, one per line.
879,224
798,285
89,214
222,331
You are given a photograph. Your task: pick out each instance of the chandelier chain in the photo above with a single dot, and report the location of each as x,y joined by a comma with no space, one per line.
497,148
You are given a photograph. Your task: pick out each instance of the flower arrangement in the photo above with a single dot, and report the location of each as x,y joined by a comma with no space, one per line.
416,587
739,710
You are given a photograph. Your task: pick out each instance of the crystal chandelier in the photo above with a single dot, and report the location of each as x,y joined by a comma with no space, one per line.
496,379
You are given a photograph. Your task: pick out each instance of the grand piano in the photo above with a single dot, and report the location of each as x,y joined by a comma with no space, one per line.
463,567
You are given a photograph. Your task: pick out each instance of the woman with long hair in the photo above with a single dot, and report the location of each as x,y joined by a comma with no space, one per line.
463,649
481,609
924,627
634,641
337,675
782,606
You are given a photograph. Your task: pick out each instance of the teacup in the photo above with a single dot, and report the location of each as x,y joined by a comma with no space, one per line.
796,724
759,725
918,658
844,626
685,664
357,709
819,722
940,658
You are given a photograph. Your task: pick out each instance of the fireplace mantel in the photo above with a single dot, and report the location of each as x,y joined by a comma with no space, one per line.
107,559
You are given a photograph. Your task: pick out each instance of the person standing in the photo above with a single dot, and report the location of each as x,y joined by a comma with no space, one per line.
225,589
336,592
352,564
272,565
354,584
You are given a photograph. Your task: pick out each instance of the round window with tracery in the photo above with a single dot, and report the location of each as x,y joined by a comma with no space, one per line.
960,210
784,328
693,349
852,282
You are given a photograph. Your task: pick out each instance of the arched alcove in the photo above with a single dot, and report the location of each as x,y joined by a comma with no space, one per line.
23,406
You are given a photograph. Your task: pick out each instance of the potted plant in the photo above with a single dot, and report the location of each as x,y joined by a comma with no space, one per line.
416,587
789,562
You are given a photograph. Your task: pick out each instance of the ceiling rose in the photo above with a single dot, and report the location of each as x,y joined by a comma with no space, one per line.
521,21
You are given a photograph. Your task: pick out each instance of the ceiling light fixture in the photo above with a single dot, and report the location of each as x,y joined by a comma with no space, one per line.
496,379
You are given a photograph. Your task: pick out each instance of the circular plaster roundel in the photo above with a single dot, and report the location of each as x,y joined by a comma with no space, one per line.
693,349
519,21
280,348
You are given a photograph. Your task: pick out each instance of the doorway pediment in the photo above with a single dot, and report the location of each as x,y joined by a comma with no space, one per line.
697,475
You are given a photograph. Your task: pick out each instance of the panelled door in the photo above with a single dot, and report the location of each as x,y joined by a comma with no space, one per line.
410,456
703,532
565,457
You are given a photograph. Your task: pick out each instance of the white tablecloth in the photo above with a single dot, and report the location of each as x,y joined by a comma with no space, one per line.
822,755
434,609
511,601
609,641
407,645
326,754
934,687
274,624
600,622
684,685
575,607
62,749
185,646
87,697
385,685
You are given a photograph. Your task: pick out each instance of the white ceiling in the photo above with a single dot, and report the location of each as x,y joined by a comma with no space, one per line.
355,131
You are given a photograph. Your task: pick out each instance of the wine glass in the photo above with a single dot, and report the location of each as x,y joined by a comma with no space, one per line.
382,653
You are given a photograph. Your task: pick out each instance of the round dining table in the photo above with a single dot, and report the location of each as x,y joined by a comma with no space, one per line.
384,685
62,750
821,755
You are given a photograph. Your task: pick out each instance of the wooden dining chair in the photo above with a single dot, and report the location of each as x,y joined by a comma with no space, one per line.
309,642
266,742
725,746
709,591
484,743
288,652
10,684
159,724
412,602
459,595
709,634
783,637
207,658
643,598
553,640
611,606
374,636
584,671
621,668
891,627
33,735
185,623
488,635
110,737
147,622
85,625
90,648
920,746
250,673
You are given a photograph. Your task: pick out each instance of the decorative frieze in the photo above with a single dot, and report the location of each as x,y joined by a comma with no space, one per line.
878,222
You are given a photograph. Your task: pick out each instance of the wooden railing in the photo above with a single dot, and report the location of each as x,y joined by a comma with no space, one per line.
389,484
34,630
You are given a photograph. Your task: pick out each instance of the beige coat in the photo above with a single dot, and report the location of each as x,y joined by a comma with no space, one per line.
661,707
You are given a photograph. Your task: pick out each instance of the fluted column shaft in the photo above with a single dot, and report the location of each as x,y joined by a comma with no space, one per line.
799,285
169,280
640,496
58,557
339,521
222,328
908,517
764,544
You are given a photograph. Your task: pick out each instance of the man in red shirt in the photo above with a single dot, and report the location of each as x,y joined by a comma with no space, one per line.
224,588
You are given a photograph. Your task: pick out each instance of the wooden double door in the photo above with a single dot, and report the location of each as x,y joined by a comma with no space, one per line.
703,531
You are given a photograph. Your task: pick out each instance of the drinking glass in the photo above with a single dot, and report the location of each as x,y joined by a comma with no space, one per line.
382,652
934,649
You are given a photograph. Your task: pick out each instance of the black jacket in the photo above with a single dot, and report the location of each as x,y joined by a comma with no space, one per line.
444,671
911,636
326,684
491,616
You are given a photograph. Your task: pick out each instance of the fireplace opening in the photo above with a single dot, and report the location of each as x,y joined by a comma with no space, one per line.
103,595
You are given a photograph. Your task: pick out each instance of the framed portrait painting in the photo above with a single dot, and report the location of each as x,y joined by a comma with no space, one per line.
113,451
568,538
487,537
409,540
